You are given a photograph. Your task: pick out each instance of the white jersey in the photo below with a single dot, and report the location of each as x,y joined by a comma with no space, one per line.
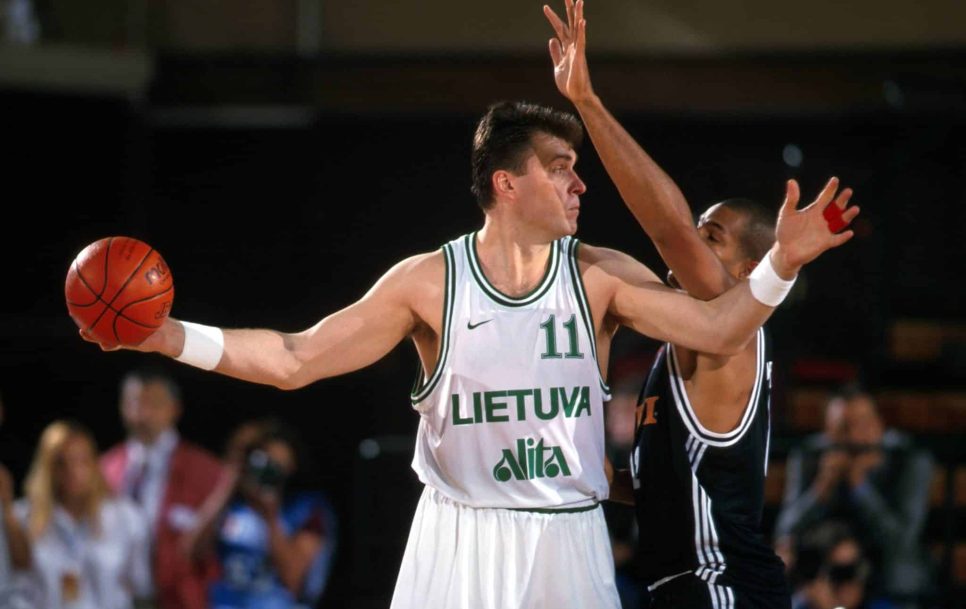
512,414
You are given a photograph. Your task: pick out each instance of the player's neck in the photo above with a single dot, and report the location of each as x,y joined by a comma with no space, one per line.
513,261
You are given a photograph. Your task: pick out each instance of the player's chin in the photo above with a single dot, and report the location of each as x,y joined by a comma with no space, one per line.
571,224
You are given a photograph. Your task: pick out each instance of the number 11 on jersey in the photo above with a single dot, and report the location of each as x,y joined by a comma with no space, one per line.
550,331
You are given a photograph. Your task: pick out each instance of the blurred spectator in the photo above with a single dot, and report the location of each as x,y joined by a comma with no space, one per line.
874,479
275,542
19,22
14,452
242,439
14,551
14,547
620,426
620,419
833,571
88,550
169,479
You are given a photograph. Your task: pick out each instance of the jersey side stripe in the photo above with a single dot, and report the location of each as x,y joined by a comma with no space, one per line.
700,456
697,503
449,294
768,370
584,306
710,547
691,445
698,525
713,534
706,534
722,597
715,599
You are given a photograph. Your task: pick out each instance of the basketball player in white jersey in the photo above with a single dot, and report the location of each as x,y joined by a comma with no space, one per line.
512,324
703,421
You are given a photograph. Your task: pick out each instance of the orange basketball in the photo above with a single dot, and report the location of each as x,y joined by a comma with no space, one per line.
119,290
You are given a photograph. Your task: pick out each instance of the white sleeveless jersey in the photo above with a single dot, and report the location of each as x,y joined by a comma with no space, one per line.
512,414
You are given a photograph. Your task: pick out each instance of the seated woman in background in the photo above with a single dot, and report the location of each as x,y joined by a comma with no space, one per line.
274,543
88,549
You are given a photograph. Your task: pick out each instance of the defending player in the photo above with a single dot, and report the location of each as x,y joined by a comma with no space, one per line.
701,447
512,324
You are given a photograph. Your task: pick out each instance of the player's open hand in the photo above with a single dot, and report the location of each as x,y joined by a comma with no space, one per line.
169,333
803,234
91,339
568,52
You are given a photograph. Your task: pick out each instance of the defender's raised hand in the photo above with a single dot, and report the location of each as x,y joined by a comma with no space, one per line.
568,51
803,234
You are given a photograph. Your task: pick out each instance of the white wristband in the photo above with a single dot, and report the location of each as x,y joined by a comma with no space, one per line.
766,286
203,346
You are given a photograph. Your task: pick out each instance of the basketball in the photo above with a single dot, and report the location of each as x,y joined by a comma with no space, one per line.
119,290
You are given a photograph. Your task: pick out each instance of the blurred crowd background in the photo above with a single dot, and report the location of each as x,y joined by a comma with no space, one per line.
282,155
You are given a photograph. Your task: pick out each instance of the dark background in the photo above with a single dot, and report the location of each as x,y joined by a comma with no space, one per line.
277,219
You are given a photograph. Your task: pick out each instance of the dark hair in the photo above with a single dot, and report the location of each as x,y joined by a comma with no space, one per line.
274,429
758,233
813,546
850,391
155,374
277,430
505,134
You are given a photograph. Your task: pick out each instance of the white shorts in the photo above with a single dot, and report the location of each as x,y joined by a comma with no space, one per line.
459,557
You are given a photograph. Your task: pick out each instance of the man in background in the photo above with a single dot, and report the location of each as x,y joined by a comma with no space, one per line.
168,478
871,478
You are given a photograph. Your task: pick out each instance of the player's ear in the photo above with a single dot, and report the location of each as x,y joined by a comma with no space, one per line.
502,183
746,268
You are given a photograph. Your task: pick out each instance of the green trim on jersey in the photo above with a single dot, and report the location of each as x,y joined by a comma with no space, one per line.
449,294
585,310
498,296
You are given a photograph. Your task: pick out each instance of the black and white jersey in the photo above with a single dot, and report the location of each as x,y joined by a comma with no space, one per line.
699,494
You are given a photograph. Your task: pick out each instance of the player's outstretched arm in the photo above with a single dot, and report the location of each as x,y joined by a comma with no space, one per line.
347,340
652,196
723,325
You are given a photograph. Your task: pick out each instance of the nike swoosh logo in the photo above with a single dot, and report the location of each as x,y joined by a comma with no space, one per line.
471,326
